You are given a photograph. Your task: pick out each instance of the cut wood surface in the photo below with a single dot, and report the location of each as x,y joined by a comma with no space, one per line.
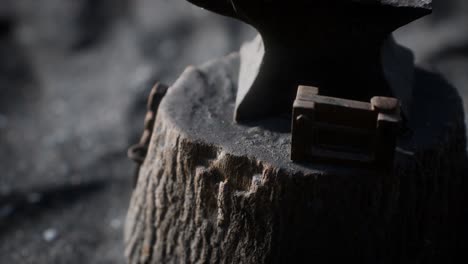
213,191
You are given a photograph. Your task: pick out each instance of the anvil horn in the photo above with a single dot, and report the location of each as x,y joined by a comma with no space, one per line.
336,45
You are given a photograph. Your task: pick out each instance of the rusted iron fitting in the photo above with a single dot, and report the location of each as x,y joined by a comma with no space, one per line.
334,129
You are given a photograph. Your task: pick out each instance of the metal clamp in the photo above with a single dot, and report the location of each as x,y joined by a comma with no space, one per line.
335,129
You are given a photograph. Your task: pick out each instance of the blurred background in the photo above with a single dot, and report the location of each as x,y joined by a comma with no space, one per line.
74,76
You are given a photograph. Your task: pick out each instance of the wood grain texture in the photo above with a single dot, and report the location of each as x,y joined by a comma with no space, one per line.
212,191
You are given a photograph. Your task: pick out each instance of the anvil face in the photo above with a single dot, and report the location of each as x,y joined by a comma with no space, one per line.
332,44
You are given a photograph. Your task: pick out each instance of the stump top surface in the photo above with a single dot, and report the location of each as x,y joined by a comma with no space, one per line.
201,102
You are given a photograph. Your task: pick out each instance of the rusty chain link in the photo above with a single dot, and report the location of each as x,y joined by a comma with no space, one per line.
138,152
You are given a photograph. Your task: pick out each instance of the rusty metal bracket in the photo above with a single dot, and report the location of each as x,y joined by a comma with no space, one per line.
138,152
335,129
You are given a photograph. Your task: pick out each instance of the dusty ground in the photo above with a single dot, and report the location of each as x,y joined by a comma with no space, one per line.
73,78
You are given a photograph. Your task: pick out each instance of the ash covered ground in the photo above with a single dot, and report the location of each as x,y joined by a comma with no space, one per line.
74,76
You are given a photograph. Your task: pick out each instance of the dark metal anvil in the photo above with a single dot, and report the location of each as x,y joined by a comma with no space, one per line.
332,44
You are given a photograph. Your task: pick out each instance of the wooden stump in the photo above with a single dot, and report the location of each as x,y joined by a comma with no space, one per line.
212,191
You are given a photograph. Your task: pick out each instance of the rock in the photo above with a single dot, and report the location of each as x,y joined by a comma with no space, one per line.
50,235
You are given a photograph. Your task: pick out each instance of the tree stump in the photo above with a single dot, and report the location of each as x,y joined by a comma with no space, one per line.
213,191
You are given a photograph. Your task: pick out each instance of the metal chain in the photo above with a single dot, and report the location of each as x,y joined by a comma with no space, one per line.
138,152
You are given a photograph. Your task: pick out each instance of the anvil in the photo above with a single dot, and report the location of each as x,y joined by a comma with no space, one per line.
336,45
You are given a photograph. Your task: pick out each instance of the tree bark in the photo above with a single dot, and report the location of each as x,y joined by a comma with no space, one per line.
212,191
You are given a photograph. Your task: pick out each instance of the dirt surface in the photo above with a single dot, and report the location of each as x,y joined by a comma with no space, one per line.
74,75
